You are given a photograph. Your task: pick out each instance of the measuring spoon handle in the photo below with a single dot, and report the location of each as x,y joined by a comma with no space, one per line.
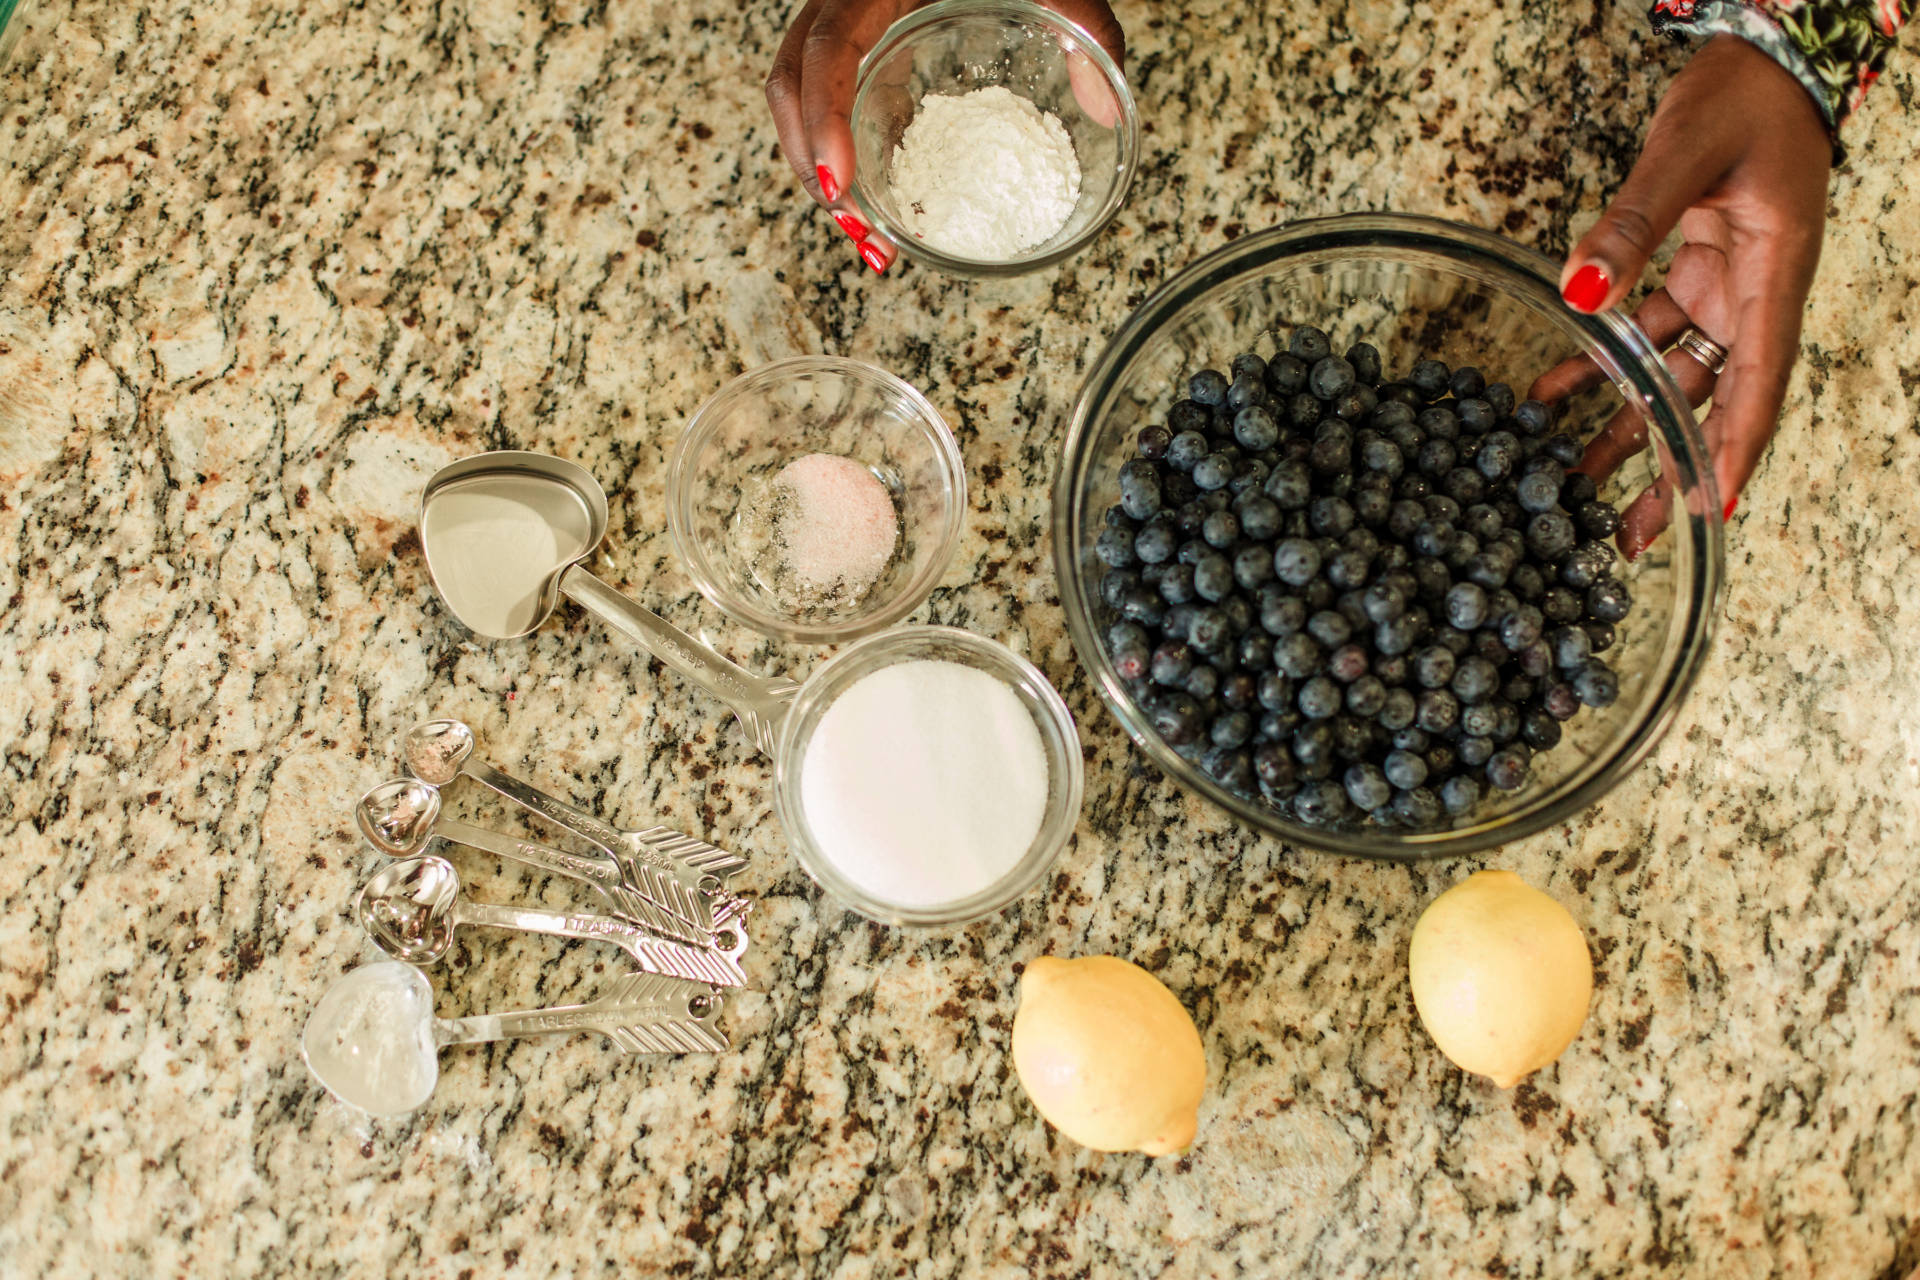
536,801
599,871
760,704
652,952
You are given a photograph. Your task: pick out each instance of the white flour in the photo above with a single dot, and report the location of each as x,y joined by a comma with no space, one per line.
985,175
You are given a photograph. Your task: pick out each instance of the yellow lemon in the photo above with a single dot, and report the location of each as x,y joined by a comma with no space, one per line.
1108,1055
1501,976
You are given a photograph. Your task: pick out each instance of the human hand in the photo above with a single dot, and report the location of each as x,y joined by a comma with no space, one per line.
1738,156
810,91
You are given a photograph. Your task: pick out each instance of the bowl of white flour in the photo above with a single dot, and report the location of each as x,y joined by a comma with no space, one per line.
991,137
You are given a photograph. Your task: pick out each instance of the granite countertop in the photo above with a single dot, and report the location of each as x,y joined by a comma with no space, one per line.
264,268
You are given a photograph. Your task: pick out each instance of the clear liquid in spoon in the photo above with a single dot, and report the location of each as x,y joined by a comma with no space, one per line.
370,1039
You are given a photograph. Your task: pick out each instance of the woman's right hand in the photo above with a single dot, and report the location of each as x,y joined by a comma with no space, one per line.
810,91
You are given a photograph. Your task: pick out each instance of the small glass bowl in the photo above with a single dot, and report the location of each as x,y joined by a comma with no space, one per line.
1061,741
747,431
957,46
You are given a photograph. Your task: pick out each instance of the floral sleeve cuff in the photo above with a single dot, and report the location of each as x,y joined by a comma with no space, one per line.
1834,48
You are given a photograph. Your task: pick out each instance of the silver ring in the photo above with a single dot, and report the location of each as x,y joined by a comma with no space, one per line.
1711,355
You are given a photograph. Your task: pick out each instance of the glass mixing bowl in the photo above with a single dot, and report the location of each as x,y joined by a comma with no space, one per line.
720,477
1066,771
1414,287
957,46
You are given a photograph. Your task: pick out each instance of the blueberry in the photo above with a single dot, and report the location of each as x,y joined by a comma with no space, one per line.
1598,519
1571,647
1398,712
1244,391
1186,450
1395,638
1131,660
1157,541
1507,770
1273,766
1527,582
1596,684
1254,650
1434,537
1476,416
1208,387
1171,663
1178,623
1213,472
1403,517
1413,487
1433,667
1534,417
1586,564
1537,491
1320,804
1442,761
1560,605
1203,681
1175,716
1290,485
1296,561
1330,628
1416,808
1608,600
1578,490
1309,343
1518,688
1213,577
1331,455
1259,517
1230,767
1560,701
1383,602
1384,457
1320,698
1440,423
1286,374
1297,656
1465,486
1347,663
1303,411
1473,750
1177,489
1601,634
1370,505
1538,729
1430,379
1496,457
1366,786
1479,720
1330,517
1239,689
1466,605
1367,696
1210,631
1330,378
1282,615
1142,604
1467,381
1252,566
1255,429
1274,692
1233,729
1459,794
1562,448
1436,458
1312,743
1437,711
1221,529
1521,627
1550,535
1475,679
1114,547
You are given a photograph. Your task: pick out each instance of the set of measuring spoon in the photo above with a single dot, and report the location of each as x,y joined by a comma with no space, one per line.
661,896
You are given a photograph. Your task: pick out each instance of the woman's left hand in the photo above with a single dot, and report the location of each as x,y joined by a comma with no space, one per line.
1738,156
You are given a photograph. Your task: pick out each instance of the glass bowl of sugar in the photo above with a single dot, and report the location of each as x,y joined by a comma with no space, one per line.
927,776
816,499
991,137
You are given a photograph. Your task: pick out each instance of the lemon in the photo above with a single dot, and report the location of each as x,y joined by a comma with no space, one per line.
1501,976
1108,1055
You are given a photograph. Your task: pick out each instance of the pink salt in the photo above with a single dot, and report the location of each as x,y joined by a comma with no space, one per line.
837,523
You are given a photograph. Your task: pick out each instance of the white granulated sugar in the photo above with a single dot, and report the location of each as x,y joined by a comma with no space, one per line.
925,782
985,175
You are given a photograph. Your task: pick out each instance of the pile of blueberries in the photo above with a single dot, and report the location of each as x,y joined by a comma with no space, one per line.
1350,595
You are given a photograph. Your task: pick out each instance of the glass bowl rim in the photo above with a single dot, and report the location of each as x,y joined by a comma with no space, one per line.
1036,693
1616,336
700,567
902,33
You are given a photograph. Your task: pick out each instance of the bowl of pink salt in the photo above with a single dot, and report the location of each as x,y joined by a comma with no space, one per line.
816,499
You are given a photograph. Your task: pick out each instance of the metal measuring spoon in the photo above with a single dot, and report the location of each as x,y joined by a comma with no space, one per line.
402,818
411,909
372,1041
669,868
505,534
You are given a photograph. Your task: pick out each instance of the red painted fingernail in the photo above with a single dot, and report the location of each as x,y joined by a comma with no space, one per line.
1731,504
852,226
872,256
1588,289
828,186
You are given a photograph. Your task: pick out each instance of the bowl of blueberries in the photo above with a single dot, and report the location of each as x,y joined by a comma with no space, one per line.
1333,570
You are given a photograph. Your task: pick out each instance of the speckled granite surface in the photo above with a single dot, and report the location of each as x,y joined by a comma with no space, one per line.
263,267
